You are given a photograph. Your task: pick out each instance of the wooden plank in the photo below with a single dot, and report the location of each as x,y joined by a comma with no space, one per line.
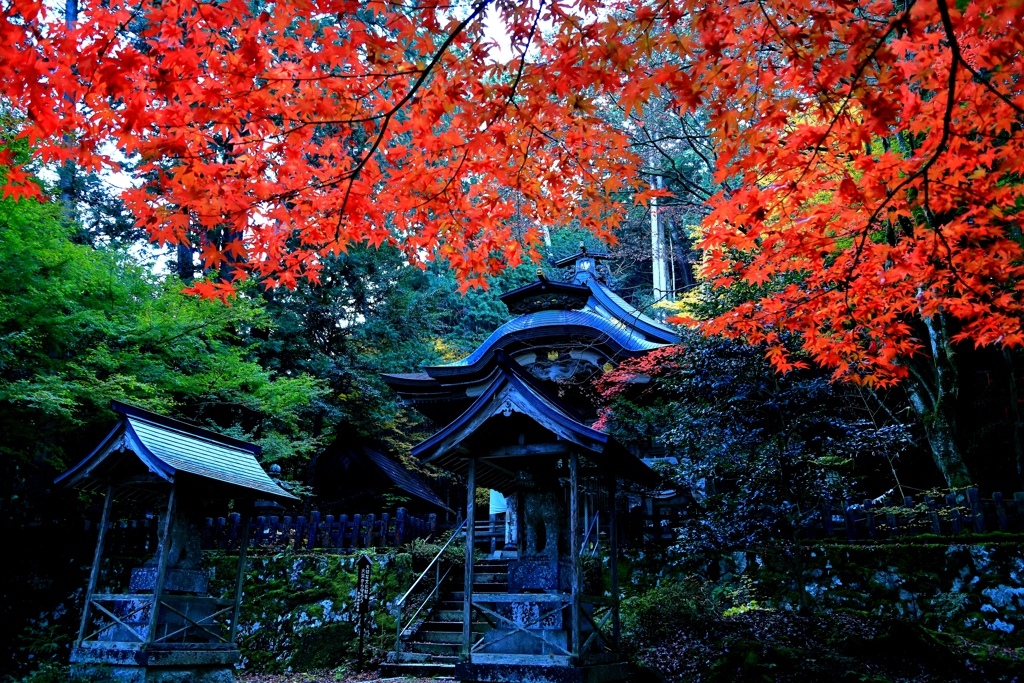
467,608
357,530
521,597
94,573
385,524
528,450
851,523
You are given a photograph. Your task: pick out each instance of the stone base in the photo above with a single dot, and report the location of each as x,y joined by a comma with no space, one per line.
539,673
137,665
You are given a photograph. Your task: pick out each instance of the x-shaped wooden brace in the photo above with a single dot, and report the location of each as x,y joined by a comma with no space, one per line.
192,622
97,605
597,630
516,628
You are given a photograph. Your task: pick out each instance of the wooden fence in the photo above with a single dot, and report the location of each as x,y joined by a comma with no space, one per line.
889,518
286,532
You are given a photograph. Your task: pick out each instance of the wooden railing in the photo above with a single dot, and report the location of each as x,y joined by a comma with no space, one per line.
288,532
888,517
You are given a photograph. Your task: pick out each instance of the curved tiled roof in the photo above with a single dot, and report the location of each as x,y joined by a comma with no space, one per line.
167,447
542,324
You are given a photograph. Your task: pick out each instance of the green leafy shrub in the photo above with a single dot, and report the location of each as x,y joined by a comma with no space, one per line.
667,609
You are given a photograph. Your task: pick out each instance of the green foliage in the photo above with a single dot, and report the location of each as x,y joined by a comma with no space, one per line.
81,326
753,450
666,609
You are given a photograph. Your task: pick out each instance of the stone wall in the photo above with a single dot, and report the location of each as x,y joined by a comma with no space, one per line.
967,587
298,610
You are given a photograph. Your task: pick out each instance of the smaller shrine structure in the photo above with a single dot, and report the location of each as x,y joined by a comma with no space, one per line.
160,624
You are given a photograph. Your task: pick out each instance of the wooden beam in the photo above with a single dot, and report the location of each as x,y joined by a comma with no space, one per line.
164,550
529,449
574,537
613,557
467,595
96,558
243,546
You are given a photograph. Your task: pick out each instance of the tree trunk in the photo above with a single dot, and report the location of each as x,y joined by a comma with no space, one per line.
1018,420
932,391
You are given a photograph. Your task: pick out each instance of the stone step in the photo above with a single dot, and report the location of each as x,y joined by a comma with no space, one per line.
450,637
490,577
449,649
418,670
450,615
428,626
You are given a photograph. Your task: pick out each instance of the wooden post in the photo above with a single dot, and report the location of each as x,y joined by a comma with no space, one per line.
243,546
870,517
300,527
850,521
826,517
357,530
977,512
574,546
997,502
400,527
368,542
933,515
342,525
161,574
613,556
1018,501
314,527
467,595
954,513
94,574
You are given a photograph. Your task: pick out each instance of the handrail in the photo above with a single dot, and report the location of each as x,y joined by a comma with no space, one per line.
591,524
437,585
401,600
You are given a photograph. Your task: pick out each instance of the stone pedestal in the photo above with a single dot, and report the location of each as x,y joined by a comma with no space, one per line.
130,663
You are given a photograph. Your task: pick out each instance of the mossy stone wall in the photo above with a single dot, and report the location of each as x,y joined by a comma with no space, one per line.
298,610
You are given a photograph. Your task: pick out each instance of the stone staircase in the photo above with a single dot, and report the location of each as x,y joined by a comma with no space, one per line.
432,647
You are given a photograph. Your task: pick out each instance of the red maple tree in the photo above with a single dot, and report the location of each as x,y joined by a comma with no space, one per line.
270,138
875,146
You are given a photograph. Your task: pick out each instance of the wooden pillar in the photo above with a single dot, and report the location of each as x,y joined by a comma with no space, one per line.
94,575
467,595
243,546
574,536
161,574
613,556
